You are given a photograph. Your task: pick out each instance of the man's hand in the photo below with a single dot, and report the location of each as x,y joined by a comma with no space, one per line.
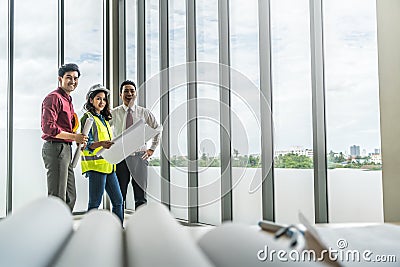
148,154
81,139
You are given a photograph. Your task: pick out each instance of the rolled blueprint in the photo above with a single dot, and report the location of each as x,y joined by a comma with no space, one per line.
86,129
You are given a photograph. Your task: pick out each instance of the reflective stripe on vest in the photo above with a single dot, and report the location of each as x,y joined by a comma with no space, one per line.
89,160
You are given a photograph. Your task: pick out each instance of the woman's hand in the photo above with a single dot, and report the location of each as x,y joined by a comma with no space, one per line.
106,144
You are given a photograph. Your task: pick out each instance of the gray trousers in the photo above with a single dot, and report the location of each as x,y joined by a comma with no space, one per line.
60,174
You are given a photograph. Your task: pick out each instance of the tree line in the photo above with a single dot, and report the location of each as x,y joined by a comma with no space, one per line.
290,160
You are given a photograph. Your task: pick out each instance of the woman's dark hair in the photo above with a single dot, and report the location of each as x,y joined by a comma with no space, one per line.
106,110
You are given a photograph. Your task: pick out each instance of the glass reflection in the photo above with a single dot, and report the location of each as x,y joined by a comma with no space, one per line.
178,109
35,75
131,46
292,110
245,102
84,46
209,163
152,92
352,111
3,104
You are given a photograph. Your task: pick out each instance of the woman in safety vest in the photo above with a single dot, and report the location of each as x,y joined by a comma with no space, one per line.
100,172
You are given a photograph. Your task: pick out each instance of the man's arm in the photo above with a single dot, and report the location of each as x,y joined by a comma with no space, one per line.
79,137
152,122
50,109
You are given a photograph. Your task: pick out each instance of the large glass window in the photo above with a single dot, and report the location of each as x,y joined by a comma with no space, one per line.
245,102
131,66
352,111
178,148
292,110
35,75
84,46
178,109
3,104
152,90
208,121
352,102
131,46
152,38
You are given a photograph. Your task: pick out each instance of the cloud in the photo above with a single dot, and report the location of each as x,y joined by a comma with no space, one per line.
36,54
351,74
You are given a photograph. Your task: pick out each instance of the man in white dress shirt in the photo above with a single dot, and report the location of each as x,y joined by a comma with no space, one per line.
134,168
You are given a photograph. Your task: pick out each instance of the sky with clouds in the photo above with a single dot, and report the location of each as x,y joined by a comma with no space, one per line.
352,103
352,74
350,50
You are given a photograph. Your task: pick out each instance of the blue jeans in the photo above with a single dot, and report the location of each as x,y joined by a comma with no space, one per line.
100,181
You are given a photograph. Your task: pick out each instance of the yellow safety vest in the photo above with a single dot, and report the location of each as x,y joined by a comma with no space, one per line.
89,160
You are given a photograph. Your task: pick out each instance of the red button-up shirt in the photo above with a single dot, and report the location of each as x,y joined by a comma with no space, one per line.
57,115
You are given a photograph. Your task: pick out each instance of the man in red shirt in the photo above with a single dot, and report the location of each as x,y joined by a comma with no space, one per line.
57,126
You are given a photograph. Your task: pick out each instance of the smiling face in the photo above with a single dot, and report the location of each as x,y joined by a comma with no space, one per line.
69,81
128,95
99,101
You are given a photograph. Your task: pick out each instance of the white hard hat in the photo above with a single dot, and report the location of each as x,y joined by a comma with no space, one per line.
95,88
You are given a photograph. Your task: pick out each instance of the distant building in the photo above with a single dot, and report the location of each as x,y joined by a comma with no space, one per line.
355,151
376,158
298,150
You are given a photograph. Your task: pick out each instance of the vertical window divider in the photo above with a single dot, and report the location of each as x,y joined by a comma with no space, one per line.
61,31
164,104
225,109
267,143
10,108
318,111
114,62
141,52
192,134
